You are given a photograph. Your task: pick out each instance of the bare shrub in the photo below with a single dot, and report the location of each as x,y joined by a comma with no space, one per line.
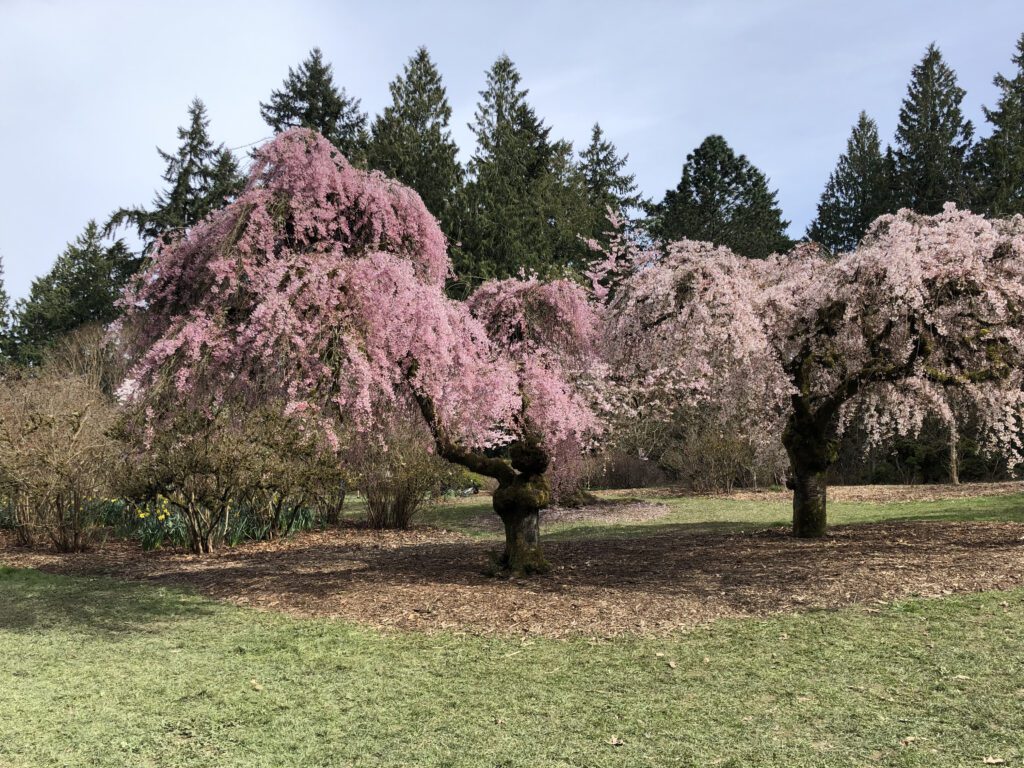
399,475
56,456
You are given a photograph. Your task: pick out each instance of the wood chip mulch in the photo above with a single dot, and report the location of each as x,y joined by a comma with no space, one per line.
431,580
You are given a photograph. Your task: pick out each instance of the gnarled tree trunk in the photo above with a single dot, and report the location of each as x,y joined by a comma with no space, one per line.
523,491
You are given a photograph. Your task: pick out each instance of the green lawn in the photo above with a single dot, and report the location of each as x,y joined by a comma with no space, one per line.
727,514
95,672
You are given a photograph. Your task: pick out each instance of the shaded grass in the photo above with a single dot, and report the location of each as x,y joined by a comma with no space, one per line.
101,673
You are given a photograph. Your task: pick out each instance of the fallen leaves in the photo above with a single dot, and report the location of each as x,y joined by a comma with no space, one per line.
430,580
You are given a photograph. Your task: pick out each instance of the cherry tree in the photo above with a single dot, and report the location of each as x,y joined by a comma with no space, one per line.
926,314
322,287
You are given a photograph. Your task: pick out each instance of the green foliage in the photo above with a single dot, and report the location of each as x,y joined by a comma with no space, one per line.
411,140
81,289
722,198
857,192
999,158
309,99
932,139
200,178
525,201
5,315
608,185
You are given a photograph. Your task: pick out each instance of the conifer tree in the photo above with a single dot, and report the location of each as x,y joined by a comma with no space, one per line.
5,313
525,202
999,159
932,139
309,99
607,183
200,178
857,191
82,288
722,198
411,140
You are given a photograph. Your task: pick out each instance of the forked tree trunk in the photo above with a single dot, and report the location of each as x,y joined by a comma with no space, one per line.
523,490
809,504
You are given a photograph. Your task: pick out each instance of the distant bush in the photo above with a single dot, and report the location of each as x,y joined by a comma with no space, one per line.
400,474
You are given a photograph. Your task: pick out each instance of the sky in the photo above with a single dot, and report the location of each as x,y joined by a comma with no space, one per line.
89,89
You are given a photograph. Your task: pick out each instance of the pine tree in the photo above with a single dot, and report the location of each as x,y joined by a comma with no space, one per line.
999,159
525,201
932,139
82,288
722,198
857,191
309,99
200,178
5,313
411,141
608,185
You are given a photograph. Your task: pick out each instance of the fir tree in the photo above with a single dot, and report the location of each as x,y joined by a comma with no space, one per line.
608,185
525,199
999,159
412,142
857,191
309,99
200,178
82,288
932,139
5,313
722,198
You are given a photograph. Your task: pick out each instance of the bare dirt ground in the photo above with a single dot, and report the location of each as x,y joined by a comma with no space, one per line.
430,580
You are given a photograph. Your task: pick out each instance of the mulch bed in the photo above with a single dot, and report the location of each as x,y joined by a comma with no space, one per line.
430,580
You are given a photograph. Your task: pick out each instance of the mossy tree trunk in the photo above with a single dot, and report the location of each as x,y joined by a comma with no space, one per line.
811,452
523,491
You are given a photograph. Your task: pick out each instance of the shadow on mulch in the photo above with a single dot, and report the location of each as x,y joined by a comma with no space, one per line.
431,580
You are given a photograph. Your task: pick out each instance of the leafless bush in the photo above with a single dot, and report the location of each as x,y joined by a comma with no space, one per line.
56,456
399,475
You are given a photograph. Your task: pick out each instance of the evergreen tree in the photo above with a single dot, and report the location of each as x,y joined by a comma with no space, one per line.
857,191
411,141
5,313
310,99
1000,157
525,202
200,178
608,185
722,198
932,139
82,288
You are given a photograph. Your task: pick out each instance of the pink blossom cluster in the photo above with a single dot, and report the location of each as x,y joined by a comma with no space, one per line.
322,286
926,316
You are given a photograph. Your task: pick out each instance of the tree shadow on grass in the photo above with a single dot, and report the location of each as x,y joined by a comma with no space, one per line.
32,601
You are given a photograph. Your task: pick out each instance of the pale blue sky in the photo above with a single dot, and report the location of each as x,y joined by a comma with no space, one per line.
89,89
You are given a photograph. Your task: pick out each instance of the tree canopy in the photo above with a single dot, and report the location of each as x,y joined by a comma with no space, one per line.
308,98
200,177
724,199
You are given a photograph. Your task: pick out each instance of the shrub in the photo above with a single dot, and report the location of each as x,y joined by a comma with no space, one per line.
56,457
399,475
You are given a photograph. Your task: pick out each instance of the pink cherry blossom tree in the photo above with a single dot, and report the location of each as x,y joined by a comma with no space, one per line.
926,313
322,287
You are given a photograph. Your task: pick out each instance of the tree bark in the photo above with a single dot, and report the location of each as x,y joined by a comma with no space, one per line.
954,460
809,504
523,490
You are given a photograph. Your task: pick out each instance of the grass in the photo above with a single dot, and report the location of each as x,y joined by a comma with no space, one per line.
101,673
710,514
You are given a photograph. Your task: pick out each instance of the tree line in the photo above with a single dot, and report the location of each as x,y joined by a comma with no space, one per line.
527,200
